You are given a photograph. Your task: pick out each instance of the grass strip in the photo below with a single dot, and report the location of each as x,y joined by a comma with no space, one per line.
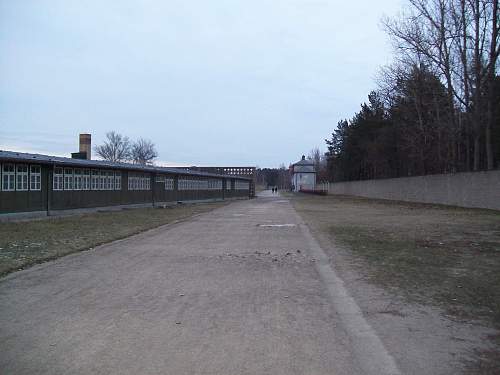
25,243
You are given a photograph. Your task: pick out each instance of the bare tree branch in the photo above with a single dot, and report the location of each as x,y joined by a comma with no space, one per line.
116,147
143,152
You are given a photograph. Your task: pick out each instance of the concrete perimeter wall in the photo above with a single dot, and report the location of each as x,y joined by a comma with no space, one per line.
471,189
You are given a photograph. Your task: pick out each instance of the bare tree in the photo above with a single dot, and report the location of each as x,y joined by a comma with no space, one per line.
143,152
459,39
494,55
317,157
116,147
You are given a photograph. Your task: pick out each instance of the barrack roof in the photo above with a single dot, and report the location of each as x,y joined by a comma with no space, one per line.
84,163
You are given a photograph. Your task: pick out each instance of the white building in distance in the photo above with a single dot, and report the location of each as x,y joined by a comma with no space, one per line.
303,175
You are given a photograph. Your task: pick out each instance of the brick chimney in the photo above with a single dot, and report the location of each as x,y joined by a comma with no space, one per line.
86,145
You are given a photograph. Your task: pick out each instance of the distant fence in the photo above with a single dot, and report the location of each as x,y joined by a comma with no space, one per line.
471,189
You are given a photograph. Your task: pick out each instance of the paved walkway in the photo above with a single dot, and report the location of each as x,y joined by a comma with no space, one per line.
234,291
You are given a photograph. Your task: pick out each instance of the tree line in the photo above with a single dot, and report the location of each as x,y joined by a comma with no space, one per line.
270,177
119,148
437,107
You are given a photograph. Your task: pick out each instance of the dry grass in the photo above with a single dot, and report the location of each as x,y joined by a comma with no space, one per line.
23,244
444,256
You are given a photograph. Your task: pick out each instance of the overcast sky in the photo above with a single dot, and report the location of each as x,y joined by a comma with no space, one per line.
211,82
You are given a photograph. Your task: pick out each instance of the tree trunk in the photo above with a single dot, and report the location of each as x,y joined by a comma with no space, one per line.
487,137
467,151
476,115
490,163
477,147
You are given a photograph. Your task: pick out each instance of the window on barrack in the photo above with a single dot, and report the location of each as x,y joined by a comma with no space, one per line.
78,179
242,185
95,179
130,181
21,177
35,177
102,180
86,179
118,180
111,181
169,184
68,179
58,179
8,177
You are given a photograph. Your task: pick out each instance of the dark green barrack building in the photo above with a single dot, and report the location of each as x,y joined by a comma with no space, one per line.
41,185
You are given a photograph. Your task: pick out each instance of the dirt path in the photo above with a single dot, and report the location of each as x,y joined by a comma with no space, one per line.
232,291
243,289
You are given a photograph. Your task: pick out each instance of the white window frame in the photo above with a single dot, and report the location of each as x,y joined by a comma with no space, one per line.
95,177
68,179
242,185
58,179
118,180
110,180
77,179
131,181
105,180
35,177
102,180
86,179
169,184
22,177
8,177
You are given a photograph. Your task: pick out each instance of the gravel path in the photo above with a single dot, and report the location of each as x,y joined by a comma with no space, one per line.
239,290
